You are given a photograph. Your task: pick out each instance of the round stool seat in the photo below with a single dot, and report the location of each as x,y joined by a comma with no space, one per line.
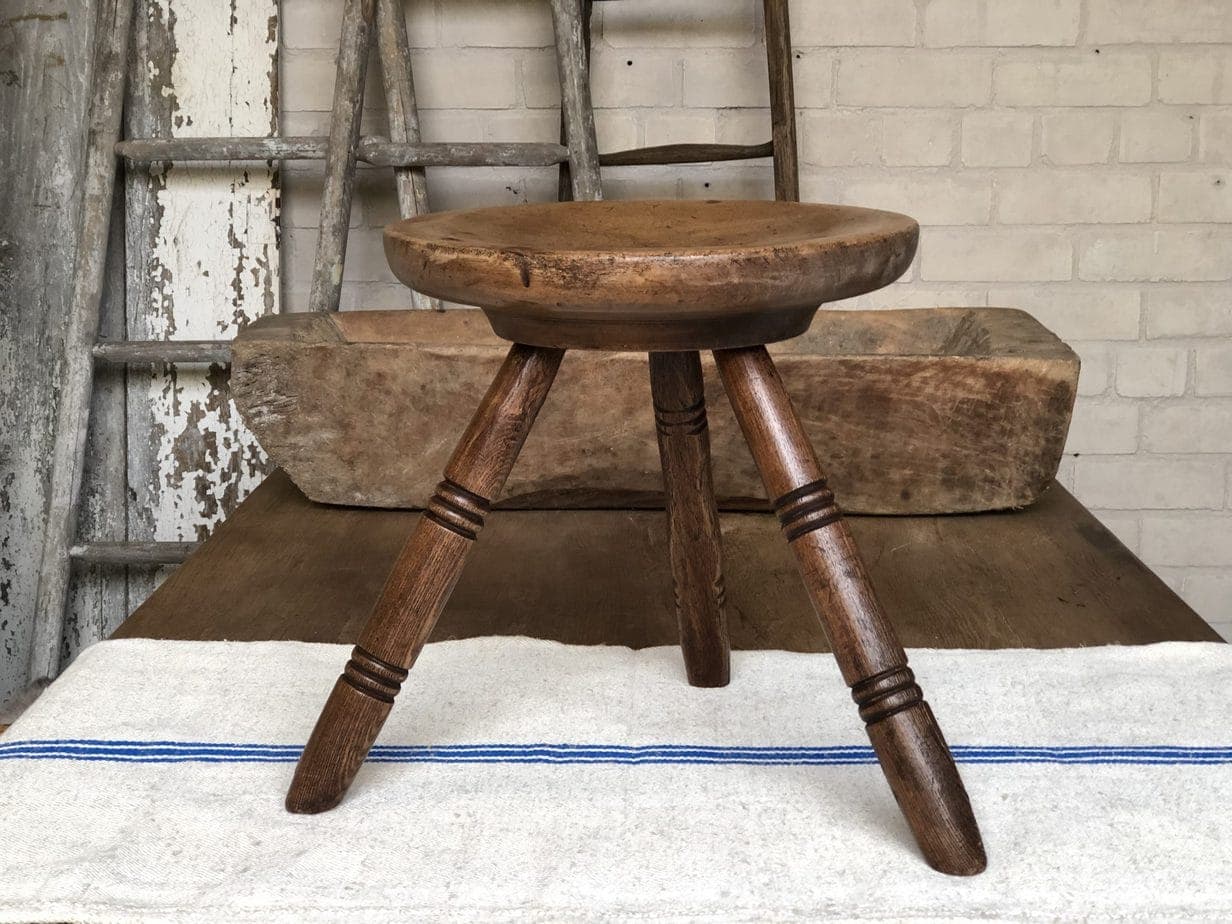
651,275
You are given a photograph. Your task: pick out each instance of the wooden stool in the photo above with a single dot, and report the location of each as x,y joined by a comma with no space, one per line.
670,278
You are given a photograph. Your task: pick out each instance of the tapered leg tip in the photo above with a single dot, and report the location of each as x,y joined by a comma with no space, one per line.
965,858
344,732
707,668
929,790
710,680
311,803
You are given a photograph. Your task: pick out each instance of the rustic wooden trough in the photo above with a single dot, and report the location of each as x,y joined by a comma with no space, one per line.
940,410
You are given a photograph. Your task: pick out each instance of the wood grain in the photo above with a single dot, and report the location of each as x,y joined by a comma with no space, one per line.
658,275
1048,577
913,754
76,370
422,578
132,553
564,175
571,26
378,152
685,154
692,516
402,113
124,352
930,411
44,97
782,100
358,18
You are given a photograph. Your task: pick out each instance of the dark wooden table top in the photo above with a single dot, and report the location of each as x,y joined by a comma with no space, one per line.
1051,576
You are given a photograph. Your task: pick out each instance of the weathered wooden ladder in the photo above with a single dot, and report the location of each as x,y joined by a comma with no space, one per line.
404,151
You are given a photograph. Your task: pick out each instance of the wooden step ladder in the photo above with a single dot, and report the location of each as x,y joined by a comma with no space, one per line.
576,154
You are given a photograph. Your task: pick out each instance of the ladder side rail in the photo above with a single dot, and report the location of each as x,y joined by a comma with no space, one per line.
577,113
782,100
353,47
564,182
394,55
76,381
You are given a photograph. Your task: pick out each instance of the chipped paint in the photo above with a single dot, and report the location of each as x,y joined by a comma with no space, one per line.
212,265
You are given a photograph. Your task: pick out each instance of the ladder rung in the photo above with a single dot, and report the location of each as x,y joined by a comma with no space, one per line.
376,151
133,553
382,153
149,150
163,351
685,154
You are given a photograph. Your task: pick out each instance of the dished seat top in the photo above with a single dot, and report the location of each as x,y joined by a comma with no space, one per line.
659,274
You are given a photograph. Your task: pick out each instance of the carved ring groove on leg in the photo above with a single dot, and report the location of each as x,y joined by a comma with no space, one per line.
457,509
886,694
807,508
678,394
421,580
691,420
902,729
373,677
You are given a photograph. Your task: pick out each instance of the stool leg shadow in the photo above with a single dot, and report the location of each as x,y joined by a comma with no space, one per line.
421,581
914,756
692,515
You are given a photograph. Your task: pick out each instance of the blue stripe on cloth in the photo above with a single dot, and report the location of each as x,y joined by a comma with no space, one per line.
129,751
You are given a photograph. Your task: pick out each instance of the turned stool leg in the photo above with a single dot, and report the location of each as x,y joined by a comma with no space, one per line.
692,516
422,579
913,754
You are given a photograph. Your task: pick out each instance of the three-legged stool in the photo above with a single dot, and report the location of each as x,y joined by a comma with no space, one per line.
670,278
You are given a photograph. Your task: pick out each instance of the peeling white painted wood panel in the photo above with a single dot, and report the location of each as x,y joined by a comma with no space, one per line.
211,265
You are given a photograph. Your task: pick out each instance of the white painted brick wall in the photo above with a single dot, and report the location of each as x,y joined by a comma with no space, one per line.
1070,157
1077,136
